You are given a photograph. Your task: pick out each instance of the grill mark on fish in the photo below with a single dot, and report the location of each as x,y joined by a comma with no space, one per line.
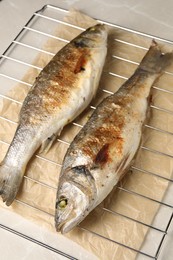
102,156
110,131
54,96
80,64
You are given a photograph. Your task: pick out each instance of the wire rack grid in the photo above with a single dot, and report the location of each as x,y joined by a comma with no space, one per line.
9,73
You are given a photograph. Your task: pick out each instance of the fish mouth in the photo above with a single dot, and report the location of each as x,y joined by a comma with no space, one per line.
59,227
63,227
66,225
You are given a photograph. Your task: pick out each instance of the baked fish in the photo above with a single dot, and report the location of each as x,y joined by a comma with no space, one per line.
101,152
63,89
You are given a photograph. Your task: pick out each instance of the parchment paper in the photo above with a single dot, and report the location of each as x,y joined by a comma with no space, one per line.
39,196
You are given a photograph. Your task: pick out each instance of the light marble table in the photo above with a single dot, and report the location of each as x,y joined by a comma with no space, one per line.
152,17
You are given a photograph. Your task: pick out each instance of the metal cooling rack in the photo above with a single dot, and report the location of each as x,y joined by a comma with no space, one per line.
43,16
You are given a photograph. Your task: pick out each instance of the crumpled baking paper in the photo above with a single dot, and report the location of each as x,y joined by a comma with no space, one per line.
36,198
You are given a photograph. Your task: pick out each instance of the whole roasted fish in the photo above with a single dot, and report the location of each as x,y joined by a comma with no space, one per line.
63,89
105,147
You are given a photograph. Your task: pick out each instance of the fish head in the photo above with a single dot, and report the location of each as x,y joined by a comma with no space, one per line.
93,37
74,201
70,207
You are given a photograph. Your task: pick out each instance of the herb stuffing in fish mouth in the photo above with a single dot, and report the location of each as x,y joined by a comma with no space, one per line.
103,150
62,203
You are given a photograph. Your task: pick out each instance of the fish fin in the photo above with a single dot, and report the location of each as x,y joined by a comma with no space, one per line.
46,145
10,180
155,61
123,166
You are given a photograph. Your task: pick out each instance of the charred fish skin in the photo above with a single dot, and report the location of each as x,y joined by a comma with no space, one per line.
105,147
62,90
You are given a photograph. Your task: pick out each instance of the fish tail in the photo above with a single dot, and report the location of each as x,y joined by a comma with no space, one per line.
10,180
155,61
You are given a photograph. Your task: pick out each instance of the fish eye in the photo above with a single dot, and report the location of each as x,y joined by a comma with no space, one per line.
62,203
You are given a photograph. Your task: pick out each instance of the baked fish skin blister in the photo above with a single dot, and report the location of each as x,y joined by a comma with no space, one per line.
62,90
103,150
